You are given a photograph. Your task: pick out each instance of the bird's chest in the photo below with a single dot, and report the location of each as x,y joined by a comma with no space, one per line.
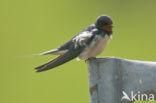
96,47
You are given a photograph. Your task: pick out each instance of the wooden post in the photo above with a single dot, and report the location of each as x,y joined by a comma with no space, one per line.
112,79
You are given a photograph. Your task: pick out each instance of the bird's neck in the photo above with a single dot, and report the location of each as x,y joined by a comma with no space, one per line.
109,33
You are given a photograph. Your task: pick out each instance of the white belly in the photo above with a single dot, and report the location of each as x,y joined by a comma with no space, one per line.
95,48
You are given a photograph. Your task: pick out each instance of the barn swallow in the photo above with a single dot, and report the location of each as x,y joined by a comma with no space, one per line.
87,44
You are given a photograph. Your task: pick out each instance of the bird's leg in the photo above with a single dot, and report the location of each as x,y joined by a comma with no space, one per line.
91,58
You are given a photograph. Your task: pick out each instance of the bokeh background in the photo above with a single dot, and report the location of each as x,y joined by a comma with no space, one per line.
33,26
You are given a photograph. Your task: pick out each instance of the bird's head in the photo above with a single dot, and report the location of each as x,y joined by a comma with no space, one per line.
105,23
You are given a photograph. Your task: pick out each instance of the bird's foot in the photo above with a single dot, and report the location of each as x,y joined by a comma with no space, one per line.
92,58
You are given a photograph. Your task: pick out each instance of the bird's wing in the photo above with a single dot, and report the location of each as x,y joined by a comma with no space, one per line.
65,47
71,54
74,47
59,51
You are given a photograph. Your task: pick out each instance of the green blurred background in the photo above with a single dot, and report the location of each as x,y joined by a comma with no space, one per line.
33,26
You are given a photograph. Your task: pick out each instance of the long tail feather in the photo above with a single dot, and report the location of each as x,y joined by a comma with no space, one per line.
58,61
54,51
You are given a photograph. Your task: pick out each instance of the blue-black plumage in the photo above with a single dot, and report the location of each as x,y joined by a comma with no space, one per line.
87,44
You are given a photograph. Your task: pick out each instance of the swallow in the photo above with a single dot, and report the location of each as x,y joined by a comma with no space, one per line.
87,44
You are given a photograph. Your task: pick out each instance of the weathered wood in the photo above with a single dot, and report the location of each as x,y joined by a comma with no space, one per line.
109,77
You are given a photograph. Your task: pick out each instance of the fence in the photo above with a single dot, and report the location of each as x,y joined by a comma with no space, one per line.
115,80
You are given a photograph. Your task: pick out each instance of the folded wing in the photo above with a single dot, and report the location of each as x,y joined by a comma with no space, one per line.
71,54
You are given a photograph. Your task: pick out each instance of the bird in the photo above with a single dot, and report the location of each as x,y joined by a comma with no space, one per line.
87,44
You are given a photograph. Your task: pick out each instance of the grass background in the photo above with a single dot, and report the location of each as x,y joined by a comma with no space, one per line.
33,26
145,102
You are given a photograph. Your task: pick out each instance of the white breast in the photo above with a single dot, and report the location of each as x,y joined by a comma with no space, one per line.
95,48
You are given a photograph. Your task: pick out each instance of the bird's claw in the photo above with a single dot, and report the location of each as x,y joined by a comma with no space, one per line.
92,58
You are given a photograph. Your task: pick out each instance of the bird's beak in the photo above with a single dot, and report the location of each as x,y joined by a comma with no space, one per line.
111,25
